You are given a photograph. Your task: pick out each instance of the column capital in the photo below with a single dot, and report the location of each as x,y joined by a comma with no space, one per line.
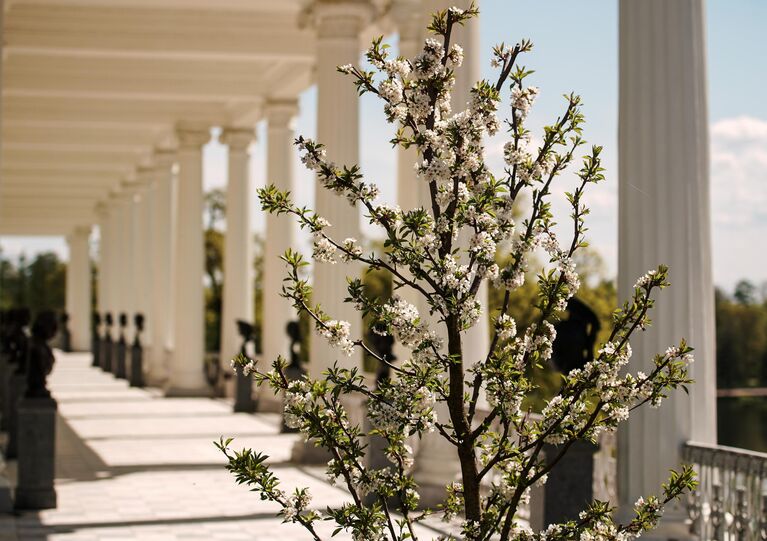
129,190
407,17
192,136
102,209
79,232
143,177
113,199
164,157
280,113
339,19
237,139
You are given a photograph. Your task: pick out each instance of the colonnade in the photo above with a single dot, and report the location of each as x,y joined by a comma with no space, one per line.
151,256
151,253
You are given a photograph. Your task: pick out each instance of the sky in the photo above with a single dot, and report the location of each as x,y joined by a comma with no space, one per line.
576,45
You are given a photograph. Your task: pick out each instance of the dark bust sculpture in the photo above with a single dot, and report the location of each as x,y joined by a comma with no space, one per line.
245,330
138,322
573,346
107,346
383,347
294,370
243,396
40,355
66,335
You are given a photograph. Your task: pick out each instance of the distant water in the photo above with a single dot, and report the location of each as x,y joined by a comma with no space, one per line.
742,422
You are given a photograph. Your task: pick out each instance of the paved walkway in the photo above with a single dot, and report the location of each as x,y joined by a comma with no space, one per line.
134,465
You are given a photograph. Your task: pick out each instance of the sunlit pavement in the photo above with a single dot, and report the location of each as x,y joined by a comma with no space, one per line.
132,464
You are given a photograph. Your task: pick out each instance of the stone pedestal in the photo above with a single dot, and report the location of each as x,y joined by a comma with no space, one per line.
305,452
107,349
136,366
569,489
243,393
18,385
5,375
120,367
96,349
37,456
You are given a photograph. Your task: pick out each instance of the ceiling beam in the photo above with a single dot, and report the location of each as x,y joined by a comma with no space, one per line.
132,31
131,114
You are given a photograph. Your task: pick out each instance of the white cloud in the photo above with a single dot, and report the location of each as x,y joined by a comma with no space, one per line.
739,171
741,128
739,198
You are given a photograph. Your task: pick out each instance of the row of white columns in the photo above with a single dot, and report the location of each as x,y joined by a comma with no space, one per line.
151,258
662,122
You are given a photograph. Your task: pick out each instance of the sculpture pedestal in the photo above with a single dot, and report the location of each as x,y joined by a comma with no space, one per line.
136,366
305,452
107,349
96,350
436,464
37,456
569,489
120,364
18,386
243,393
6,370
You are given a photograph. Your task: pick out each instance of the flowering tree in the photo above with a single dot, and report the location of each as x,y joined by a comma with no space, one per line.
500,450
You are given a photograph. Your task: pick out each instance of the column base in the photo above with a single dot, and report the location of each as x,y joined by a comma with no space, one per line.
185,392
431,495
268,402
154,380
305,452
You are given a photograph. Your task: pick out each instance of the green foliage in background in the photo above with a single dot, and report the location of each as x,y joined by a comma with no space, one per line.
38,284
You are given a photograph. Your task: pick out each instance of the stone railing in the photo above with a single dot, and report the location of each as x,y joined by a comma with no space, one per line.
730,503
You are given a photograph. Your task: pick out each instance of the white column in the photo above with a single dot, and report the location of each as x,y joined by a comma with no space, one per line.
186,366
78,288
476,340
125,271
160,312
102,302
338,28
279,231
142,262
114,254
664,218
411,192
237,302
437,461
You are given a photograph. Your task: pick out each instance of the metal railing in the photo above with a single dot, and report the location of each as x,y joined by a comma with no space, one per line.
730,502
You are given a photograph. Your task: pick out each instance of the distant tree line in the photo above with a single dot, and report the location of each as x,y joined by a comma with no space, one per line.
38,283
741,336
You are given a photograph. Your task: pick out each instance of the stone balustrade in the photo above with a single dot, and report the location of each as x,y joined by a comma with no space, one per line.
730,502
